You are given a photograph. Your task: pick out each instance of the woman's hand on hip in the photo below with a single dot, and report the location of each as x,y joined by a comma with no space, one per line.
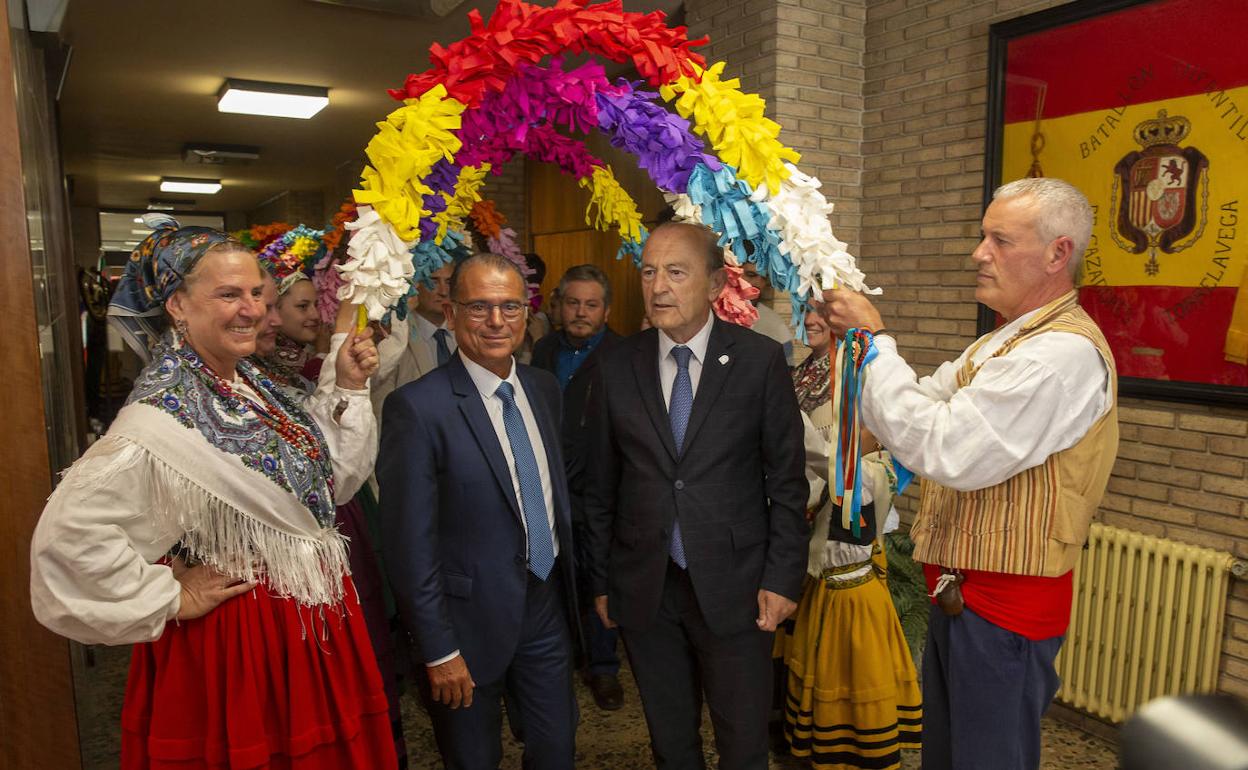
203,588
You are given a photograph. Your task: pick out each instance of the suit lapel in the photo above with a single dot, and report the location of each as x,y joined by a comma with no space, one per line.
473,409
646,369
714,374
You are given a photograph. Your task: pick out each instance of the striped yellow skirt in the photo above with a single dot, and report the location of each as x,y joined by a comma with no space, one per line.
853,697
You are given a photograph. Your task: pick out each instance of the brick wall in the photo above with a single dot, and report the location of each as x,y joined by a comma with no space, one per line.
507,190
805,58
1181,471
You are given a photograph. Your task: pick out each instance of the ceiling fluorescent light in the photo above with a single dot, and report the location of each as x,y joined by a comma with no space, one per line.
177,184
138,220
141,232
278,100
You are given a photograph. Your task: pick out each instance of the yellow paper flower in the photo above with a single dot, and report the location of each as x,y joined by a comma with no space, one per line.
402,152
611,205
467,194
734,124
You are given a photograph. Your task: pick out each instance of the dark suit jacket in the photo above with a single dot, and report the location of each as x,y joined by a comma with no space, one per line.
454,538
739,485
576,435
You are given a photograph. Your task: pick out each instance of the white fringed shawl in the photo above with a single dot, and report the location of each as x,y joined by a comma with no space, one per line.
225,513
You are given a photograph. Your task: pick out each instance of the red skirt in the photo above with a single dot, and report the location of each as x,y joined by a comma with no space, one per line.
259,682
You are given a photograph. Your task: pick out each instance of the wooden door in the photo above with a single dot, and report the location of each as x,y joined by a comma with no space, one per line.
563,239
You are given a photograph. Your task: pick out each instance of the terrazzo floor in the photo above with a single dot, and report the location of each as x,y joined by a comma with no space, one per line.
614,740
606,740
617,740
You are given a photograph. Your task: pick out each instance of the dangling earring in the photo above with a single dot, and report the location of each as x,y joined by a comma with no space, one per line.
179,325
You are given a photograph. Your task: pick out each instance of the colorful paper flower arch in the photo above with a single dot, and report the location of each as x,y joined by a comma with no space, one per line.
504,90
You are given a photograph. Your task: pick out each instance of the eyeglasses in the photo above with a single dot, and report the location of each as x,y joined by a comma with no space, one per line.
479,311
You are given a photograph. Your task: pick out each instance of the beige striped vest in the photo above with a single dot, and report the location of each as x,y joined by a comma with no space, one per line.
1036,522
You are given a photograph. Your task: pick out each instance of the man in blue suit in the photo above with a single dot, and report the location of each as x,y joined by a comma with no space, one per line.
478,532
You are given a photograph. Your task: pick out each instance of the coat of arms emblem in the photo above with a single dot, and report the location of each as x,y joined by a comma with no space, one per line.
1157,211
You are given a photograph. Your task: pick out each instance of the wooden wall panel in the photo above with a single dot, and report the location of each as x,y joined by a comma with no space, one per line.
38,727
563,250
563,239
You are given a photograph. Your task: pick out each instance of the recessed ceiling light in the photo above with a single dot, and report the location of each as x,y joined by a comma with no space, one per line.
177,184
138,220
278,100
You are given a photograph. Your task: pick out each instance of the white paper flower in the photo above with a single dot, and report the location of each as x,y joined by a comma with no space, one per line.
378,272
684,207
799,212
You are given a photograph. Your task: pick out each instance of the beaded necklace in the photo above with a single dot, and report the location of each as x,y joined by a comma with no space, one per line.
270,414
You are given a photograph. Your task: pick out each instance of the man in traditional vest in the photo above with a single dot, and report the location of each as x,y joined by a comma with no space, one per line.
1015,440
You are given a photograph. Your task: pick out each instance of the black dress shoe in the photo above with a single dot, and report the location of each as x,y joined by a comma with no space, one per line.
607,691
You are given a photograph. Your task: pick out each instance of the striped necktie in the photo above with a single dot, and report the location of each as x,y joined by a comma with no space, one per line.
678,411
532,501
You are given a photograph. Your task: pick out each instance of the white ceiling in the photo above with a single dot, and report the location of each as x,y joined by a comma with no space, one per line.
144,77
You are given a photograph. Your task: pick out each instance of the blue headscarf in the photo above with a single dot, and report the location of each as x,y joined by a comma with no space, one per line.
156,269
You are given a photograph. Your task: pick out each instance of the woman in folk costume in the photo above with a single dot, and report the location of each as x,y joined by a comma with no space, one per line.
853,695
301,340
249,651
265,358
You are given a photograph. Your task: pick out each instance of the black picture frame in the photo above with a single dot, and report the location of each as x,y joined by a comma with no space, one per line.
1000,35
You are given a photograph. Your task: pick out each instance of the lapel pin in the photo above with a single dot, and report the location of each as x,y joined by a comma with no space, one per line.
723,359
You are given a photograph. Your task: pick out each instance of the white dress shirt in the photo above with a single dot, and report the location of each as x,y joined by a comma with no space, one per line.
667,364
422,328
1040,398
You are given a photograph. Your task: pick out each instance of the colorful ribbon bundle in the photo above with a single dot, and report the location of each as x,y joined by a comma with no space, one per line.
853,353
488,96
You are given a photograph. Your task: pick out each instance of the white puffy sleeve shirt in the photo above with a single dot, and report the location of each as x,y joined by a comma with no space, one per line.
351,433
92,576
1040,398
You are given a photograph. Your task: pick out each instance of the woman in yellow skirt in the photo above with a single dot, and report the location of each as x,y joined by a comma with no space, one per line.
853,698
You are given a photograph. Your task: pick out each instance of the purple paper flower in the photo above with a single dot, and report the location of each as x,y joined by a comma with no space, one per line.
661,141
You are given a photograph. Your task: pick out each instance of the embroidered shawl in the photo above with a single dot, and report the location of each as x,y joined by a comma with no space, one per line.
242,499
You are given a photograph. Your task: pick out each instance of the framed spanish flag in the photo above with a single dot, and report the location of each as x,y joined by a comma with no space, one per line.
1142,105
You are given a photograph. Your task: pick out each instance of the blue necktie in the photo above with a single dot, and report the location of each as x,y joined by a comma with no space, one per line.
532,501
444,350
678,413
